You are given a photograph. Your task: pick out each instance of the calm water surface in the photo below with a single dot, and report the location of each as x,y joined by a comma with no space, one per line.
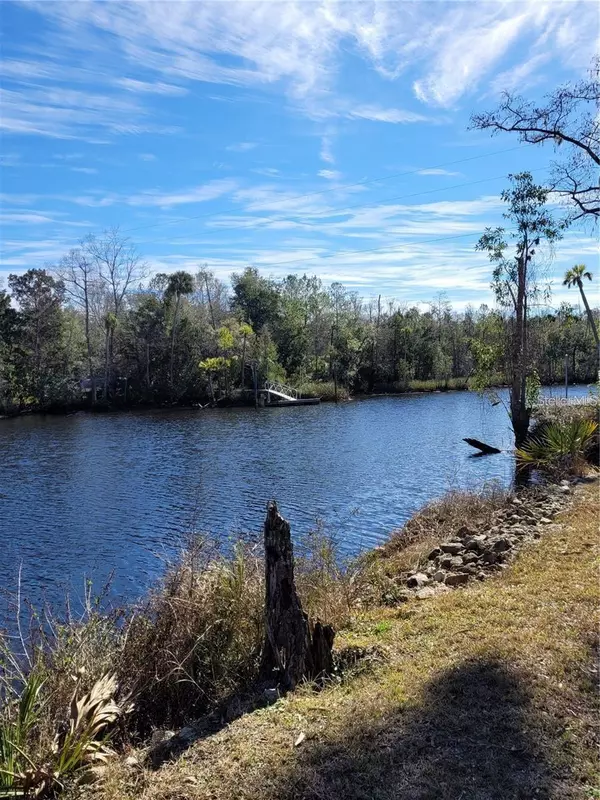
87,495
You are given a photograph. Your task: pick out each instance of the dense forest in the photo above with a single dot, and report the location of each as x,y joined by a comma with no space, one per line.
95,329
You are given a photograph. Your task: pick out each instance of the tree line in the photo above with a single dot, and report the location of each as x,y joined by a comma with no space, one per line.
93,330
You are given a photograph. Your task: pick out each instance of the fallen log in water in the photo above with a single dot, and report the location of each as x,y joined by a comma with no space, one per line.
485,448
291,651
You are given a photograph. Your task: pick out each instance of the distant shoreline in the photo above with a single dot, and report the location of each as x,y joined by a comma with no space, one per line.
225,403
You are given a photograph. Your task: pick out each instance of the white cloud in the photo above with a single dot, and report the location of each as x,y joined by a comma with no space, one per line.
521,77
378,114
85,170
326,153
299,52
67,156
27,218
330,174
437,171
144,87
241,147
466,56
147,157
270,172
65,113
197,194
471,39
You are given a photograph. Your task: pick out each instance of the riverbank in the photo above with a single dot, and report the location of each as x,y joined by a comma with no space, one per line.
486,691
325,391
429,660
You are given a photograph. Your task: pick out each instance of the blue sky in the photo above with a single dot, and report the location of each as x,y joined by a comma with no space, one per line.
328,138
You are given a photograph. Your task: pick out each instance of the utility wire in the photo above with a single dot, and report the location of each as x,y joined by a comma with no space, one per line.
369,250
256,223
341,187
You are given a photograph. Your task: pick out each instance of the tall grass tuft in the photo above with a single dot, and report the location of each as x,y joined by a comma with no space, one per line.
441,385
325,390
19,715
197,639
437,522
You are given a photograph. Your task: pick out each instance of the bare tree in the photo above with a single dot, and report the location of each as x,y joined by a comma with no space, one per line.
118,263
119,268
569,120
78,273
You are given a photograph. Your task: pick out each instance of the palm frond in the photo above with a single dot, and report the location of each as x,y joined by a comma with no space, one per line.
569,439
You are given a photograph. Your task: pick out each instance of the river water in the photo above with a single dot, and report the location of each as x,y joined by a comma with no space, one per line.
94,495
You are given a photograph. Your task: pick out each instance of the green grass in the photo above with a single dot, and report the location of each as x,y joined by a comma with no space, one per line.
325,390
432,385
442,385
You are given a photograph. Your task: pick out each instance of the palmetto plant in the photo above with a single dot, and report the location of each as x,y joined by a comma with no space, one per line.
559,444
80,744
84,741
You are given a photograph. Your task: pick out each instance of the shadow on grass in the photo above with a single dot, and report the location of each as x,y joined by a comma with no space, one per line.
471,739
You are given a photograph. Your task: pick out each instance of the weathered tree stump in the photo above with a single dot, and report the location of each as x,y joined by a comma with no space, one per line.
320,650
290,652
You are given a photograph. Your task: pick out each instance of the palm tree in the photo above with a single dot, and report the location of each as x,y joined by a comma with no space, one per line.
574,277
180,283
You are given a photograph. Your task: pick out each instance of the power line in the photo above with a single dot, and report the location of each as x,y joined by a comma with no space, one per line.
340,188
332,212
369,250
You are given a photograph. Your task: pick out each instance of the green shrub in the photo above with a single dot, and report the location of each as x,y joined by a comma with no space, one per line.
560,446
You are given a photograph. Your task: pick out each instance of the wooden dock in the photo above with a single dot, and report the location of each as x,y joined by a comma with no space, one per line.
277,395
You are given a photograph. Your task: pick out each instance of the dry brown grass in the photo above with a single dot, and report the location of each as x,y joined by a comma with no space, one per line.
197,640
490,692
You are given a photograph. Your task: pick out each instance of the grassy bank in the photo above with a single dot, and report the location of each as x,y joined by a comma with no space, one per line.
487,686
193,645
484,692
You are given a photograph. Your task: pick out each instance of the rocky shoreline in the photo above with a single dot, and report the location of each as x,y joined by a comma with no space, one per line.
477,554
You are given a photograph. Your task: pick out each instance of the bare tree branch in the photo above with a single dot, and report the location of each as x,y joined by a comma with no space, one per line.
569,118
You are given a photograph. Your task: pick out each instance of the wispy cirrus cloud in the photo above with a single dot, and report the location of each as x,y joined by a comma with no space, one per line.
300,48
326,151
146,87
437,171
27,218
197,194
378,114
155,199
241,147
330,174
65,113
469,44
299,53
